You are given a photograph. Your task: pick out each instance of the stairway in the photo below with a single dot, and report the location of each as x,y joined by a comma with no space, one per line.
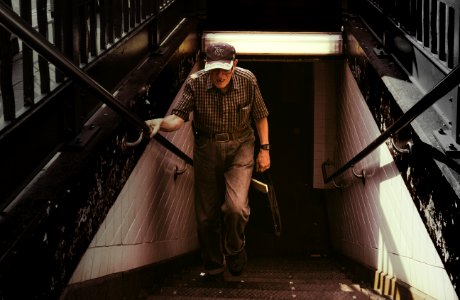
264,278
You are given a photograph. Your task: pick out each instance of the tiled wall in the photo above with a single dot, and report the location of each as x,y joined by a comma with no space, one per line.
153,218
375,221
324,131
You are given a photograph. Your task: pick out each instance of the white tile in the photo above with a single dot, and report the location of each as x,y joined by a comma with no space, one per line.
103,263
77,275
98,260
87,265
130,256
118,215
115,256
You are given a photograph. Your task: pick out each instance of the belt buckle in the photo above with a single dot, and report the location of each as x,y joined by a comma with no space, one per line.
222,137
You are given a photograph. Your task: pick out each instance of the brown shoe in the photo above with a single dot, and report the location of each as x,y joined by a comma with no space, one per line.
237,263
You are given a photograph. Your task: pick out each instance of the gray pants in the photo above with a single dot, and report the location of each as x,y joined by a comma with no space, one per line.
223,172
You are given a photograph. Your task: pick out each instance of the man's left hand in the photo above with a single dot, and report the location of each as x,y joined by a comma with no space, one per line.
263,161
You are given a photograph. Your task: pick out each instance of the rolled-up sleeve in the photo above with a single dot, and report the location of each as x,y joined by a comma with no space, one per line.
259,109
185,105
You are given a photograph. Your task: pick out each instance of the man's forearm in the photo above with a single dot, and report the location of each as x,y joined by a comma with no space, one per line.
171,123
262,130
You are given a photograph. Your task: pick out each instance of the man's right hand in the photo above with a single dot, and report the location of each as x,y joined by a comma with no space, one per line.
169,123
154,125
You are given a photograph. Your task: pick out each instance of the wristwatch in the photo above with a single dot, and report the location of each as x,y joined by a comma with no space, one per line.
265,147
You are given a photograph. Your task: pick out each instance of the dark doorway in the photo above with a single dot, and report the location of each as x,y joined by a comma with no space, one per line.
287,87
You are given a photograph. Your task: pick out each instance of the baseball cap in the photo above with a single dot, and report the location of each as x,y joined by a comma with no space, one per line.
219,56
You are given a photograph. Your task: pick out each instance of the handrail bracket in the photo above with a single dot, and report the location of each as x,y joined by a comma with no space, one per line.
447,142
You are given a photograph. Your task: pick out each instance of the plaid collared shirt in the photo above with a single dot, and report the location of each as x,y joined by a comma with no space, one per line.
216,112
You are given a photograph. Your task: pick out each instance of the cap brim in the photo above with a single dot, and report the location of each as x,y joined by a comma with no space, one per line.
225,65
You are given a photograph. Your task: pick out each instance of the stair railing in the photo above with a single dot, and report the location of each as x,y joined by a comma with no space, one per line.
15,24
449,82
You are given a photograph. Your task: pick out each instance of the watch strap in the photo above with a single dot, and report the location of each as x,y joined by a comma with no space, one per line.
265,146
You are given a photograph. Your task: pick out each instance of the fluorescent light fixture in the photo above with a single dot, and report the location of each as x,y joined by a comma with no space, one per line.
278,43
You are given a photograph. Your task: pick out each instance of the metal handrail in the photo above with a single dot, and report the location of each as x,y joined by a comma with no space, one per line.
15,24
449,82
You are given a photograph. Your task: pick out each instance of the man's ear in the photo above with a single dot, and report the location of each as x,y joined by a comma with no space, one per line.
235,62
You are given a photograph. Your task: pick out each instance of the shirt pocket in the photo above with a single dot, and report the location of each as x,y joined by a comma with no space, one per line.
243,114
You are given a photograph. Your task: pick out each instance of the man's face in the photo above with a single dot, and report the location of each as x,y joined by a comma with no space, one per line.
221,78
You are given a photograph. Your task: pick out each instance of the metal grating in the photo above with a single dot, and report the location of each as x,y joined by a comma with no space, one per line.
264,278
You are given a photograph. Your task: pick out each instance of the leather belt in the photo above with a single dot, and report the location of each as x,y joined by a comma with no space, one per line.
224,136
